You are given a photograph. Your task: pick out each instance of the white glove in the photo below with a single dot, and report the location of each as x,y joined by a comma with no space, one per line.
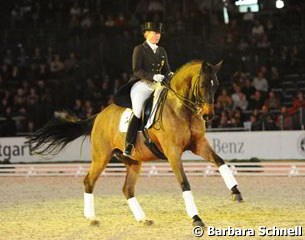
158,77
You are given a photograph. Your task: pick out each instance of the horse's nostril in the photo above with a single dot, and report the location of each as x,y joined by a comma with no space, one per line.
207,117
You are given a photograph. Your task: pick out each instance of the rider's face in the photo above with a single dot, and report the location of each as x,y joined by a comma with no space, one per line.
153,37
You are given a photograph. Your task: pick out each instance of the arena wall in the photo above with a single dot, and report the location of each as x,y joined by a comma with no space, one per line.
278,145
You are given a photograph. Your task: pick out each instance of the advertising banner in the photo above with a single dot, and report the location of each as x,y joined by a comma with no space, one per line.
271,145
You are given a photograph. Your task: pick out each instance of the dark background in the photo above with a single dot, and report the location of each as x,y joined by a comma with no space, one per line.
74,55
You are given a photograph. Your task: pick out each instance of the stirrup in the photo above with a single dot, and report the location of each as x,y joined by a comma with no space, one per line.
128,150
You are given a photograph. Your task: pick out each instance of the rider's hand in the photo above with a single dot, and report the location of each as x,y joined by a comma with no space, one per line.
158,77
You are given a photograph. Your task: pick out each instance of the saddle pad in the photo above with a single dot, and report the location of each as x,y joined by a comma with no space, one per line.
126,115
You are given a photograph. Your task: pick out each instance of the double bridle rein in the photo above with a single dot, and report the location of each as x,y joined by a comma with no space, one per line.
194,106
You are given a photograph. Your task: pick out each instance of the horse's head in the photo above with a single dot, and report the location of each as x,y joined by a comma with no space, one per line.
207,86
195,84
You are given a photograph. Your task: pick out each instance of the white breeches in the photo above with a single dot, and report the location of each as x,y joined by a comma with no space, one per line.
140,91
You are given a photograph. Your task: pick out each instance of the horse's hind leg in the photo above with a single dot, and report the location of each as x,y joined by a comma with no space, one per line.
100,160
204,150
133,171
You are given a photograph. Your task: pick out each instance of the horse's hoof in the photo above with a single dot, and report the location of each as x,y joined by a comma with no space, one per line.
94,222
147,222
237,197
198,223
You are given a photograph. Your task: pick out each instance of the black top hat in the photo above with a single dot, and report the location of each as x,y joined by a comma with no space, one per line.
152,26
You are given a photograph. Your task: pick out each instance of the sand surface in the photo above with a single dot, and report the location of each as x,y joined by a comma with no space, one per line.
52,207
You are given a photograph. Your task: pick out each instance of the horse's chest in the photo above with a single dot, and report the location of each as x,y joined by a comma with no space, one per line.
197,129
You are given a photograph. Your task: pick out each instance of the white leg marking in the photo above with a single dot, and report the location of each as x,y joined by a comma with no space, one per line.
136,209
190,205
227,176
89,206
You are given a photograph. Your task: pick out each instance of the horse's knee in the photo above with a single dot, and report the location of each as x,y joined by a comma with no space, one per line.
128,191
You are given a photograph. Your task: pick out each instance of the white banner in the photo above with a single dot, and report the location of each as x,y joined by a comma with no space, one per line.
14,150
269,145
277,145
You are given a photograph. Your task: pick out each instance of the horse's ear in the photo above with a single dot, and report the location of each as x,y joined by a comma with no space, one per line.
218,66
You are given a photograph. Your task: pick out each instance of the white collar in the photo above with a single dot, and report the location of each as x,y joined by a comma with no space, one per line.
152,46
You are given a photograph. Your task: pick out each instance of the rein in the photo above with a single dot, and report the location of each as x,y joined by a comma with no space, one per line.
193,106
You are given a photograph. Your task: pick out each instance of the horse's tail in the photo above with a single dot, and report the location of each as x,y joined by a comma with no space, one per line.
56,134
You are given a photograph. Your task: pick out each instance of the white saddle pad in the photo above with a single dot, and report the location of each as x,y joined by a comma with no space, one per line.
126,115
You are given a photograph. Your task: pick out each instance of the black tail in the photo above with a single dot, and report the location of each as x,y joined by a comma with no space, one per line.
57,133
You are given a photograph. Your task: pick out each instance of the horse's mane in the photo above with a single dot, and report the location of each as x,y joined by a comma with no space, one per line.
182,78
186,66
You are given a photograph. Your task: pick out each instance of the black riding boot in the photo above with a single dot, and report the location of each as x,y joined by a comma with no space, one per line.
131,135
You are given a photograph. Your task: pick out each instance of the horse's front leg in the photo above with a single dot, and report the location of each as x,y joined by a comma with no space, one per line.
174,158
203,149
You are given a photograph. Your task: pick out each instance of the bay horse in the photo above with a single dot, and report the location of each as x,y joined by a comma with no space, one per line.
187,106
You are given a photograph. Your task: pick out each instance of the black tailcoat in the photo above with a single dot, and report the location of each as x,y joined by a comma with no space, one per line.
145,64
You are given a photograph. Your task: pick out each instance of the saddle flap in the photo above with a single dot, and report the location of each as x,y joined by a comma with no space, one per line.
148,114
151,107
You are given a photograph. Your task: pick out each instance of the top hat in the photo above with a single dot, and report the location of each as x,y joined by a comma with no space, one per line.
152,26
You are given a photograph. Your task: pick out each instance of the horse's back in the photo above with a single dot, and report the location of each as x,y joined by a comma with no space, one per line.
106,127
111,110
106,135
108,118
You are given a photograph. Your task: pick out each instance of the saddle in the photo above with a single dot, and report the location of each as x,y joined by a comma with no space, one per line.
152,106
149,118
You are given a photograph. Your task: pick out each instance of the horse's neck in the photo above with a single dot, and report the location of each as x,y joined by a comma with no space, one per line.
181,91
181,84
182,80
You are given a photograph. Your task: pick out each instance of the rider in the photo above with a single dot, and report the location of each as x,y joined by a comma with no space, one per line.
149,65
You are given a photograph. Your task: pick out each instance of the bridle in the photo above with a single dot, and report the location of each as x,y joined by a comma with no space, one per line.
194,106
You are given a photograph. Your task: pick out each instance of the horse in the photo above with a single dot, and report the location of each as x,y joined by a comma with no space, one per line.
189,103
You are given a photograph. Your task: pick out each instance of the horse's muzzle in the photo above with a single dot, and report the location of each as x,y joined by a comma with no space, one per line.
208,112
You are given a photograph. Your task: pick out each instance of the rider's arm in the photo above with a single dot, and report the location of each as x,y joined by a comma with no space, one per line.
137,64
